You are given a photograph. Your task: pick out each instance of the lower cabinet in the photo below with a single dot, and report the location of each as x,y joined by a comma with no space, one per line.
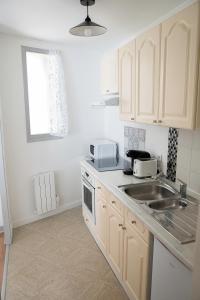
101,221
115,240
135,264
125,242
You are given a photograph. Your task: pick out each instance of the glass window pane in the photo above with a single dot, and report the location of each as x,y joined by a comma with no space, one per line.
38,92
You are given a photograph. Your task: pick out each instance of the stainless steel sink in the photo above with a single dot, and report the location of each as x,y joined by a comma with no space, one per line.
179,220
168,204
148,191
174,213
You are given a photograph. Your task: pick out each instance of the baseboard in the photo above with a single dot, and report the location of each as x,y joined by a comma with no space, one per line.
5,273
35,217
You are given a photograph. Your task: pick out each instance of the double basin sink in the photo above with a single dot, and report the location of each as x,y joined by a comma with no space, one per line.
176,214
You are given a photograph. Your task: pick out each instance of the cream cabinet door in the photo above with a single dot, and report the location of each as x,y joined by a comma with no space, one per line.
109,73
135,267
179,63
101,219
115,240
148,75
127,81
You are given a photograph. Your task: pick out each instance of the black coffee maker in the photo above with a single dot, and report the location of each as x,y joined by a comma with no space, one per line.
134,154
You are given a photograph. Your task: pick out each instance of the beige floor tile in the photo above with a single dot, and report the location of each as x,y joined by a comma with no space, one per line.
82,259
111,279
18,259
101,290
28,241
75,231
16,295
57,259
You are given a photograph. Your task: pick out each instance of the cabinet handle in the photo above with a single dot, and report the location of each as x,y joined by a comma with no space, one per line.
124,228
133,222
104,206
159,121
154,121
120,225
98,187
113,202
132,119
86,220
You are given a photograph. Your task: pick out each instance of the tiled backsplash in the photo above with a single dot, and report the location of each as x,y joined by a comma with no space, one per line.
183,159
156,137
172,153
188,161
134,138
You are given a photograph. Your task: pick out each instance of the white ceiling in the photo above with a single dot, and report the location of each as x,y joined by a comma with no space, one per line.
51,19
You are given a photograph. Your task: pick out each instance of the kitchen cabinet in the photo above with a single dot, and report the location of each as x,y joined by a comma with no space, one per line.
148,75
101,220
127,81
159,78
135,264
137,225
124,240
89,221
116,204
109,73
115,240
179,68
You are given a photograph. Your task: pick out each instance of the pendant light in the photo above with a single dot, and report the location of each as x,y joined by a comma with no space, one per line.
88,28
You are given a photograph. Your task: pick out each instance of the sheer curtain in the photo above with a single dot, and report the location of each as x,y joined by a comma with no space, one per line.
58,116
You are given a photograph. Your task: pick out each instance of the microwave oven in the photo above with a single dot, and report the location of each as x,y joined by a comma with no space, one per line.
103,148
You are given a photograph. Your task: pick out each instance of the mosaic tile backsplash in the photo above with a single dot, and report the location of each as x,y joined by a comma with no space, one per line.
172,153
134,138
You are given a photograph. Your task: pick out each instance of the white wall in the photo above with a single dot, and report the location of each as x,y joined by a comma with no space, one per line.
156,137
188,157
23,159
188,161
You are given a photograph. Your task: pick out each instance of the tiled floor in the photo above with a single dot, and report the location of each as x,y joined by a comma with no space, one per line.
57,259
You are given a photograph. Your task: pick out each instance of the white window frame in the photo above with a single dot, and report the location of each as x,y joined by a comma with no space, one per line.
30,137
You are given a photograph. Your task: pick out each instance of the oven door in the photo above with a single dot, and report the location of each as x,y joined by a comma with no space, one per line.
88,198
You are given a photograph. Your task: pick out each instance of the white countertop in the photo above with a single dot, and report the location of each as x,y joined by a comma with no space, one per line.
111,180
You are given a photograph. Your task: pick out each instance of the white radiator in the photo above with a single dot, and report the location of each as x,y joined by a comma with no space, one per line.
45,194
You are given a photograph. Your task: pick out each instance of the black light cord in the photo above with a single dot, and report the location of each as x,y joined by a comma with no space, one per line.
87,10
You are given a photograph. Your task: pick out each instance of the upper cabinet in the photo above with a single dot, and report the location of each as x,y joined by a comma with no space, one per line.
127,81
179,68
159,73
109,73
147,75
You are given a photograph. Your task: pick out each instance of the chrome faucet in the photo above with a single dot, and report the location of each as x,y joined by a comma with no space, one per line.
182,188
179,185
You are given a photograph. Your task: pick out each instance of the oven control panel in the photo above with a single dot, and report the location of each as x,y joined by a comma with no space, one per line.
86,175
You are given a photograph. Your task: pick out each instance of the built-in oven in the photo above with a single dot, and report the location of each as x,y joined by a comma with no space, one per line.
88,193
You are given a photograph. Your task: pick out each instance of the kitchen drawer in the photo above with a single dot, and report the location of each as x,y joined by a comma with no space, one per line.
116,204
88,221
100,190
137,225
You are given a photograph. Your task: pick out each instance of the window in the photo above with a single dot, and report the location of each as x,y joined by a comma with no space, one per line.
45,100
